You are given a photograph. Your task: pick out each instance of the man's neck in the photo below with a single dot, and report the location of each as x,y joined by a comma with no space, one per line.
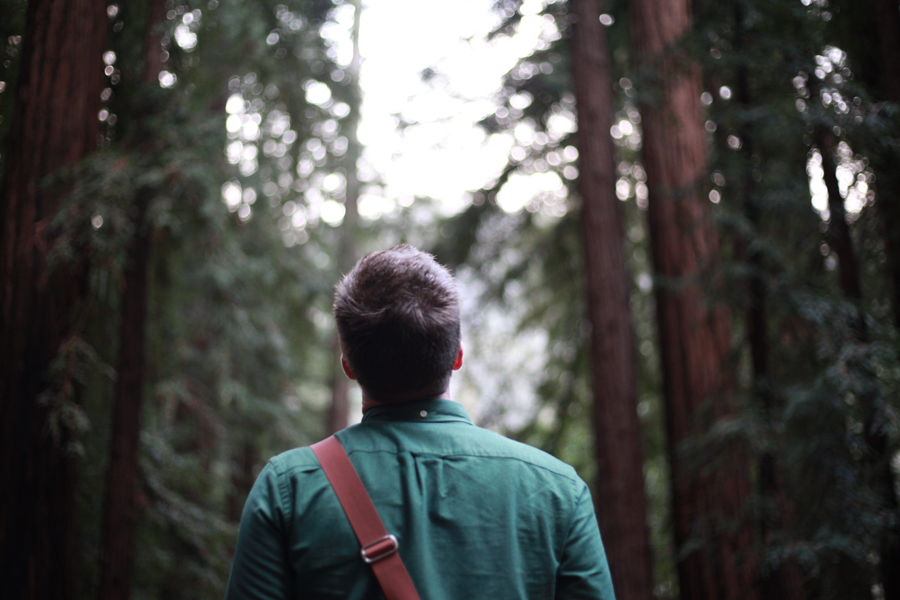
369,402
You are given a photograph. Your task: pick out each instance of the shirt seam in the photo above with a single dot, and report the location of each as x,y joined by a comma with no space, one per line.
573,517
574,479
415,419
282,481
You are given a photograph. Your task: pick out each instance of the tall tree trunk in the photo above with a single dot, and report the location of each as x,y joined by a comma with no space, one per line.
884,164
877,66
785,580
838,230
339,414
694,336
119,515
621,503
887,203
55,125
888,26
880,475
887,23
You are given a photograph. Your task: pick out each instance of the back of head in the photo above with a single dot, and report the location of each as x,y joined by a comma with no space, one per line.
397,316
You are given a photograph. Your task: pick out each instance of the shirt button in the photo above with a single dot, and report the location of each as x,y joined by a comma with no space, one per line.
423,413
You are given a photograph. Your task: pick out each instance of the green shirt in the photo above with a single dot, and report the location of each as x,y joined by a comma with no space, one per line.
477,516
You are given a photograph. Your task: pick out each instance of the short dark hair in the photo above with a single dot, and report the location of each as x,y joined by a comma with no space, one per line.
397,315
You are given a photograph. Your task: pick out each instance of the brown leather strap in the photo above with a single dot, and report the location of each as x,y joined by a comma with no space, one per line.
379,549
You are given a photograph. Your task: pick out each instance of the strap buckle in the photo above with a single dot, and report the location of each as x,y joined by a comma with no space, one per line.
380,549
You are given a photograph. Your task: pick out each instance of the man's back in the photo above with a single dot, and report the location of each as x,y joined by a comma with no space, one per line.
476,516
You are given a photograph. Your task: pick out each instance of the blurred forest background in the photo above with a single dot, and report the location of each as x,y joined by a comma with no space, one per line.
695,300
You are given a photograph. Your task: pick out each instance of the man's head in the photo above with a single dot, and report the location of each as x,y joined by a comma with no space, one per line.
397,316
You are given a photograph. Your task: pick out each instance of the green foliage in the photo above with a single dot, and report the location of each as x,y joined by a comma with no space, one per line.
238,350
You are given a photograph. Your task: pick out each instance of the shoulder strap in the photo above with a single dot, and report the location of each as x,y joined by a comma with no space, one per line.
379,548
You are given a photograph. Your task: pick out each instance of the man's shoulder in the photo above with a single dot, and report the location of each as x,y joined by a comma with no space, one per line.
470,441
498,445
293,461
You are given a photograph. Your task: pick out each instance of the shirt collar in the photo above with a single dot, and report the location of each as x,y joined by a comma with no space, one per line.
426,411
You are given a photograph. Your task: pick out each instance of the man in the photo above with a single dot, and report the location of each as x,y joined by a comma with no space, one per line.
476,515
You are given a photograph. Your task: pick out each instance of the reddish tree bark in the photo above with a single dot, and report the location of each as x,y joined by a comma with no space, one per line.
694,336
621,502
120,510
55,126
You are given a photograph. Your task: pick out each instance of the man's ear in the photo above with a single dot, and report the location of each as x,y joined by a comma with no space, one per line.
349,372
457,364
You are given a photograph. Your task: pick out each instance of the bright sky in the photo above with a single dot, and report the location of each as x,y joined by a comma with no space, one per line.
445,155
442,154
